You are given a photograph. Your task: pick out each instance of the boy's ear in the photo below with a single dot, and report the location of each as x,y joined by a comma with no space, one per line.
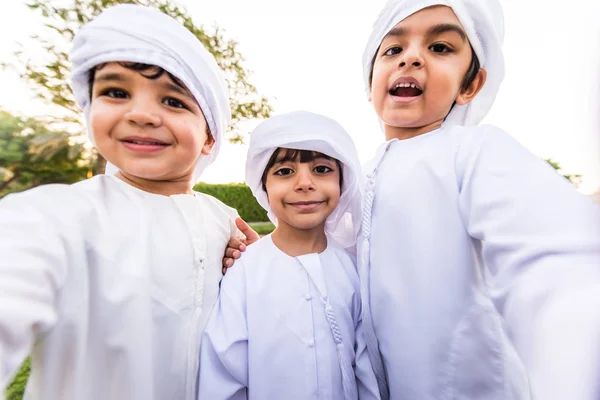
467,95
208,145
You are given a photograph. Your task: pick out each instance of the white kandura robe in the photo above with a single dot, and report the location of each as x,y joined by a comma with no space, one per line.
269,333
483,271
111,286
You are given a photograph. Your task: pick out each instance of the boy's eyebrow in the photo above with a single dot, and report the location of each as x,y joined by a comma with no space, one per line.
443,28
109,76
434,30
178,89
396,32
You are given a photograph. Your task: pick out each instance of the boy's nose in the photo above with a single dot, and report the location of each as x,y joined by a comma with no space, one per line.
142,114
411,57
304,182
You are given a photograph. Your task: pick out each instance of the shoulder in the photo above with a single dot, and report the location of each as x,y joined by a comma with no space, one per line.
346,260
473,138
216,206
336,248
261,249
487,145
256,257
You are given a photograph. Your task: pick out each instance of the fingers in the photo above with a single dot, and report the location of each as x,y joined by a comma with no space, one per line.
235,243
251,235
236,246
231,252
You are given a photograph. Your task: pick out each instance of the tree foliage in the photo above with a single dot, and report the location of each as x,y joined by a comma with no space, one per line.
31,154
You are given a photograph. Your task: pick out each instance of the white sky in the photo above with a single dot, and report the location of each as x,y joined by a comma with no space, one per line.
307,55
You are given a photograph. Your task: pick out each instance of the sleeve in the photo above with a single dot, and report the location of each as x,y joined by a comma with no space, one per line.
233,215
540,243
34,253
365,377
224,349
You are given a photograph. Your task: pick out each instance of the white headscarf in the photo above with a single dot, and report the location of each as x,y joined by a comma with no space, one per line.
140,34
307,131
483,22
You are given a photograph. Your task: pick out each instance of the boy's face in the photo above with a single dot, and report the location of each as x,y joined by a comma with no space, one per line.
419,69
149,128
303,195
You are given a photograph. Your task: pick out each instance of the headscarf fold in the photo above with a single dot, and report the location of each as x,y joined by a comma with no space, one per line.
307,131
133,33
483,22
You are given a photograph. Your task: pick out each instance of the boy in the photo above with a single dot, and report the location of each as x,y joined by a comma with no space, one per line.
287,323
480,266
107,282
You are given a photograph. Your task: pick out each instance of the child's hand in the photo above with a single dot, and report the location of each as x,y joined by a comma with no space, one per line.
236,246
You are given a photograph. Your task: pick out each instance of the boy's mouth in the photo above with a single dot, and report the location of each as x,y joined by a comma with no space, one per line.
406,87
144,141
144,144
306,205
406,90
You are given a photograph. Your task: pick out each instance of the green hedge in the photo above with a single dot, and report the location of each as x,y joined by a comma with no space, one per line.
262,228
238,196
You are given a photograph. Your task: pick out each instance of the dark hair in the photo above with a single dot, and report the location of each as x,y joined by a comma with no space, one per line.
471,72
293,155
147,71
467,80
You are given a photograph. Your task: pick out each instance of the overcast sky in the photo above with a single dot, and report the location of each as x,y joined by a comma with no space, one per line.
307,55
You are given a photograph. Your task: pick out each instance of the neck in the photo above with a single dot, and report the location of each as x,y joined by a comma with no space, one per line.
296,242
403,133
182,185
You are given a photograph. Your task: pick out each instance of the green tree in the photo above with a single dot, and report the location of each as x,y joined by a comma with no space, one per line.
31,154
48,78
575,179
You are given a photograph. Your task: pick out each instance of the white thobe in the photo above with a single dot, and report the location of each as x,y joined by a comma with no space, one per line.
107,286
269,337
482,271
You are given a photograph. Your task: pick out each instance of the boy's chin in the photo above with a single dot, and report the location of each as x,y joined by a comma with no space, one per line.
404,124
149,173
410,121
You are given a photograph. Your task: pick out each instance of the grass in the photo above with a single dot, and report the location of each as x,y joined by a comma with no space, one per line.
262,228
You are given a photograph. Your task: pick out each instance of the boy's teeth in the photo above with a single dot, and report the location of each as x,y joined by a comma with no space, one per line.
412,85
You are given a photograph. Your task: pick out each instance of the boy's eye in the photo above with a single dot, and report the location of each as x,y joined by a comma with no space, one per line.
392,51
439,48
114,93
284,171
172,102
322,169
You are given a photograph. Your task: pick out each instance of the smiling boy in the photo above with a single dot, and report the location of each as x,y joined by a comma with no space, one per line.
287,324
107,283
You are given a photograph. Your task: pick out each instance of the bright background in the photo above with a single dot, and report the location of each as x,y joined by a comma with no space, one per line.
307,55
